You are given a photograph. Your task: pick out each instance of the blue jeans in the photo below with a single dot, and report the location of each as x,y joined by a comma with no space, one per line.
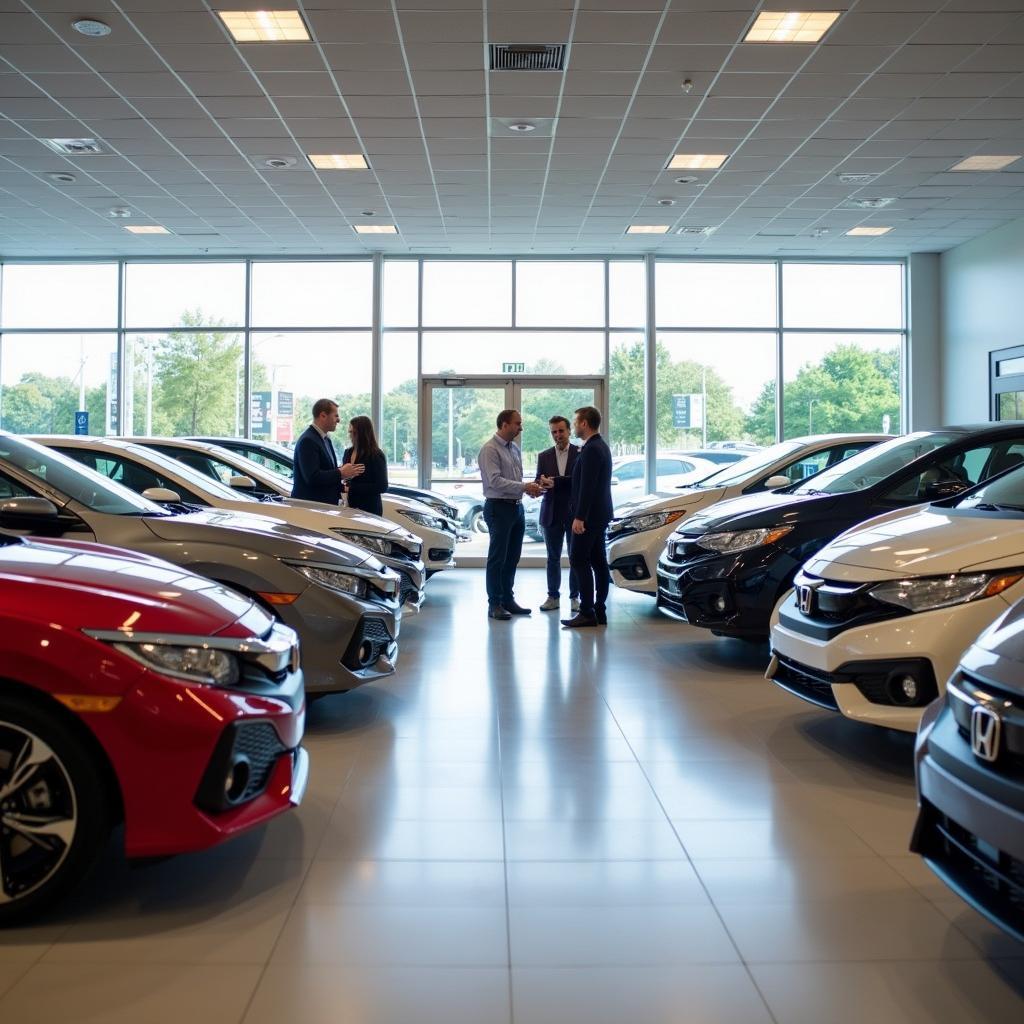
553,537
506,526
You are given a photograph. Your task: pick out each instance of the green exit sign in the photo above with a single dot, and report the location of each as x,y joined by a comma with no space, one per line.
513,367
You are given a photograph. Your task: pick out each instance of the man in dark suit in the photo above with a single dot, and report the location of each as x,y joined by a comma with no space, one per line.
591,508
318,477
554,473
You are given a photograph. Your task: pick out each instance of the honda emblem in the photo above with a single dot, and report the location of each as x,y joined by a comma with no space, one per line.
805,599
986,727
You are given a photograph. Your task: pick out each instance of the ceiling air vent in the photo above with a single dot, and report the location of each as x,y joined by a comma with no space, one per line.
705,229
73,146
527,57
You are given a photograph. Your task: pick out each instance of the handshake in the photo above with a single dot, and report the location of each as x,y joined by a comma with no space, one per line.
544,483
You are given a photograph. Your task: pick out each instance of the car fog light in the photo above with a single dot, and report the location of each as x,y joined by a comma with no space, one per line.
718,603
237,780
908,687
365,652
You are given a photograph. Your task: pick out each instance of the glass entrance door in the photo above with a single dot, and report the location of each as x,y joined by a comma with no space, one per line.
458,415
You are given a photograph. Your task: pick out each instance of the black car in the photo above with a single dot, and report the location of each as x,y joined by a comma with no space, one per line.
968,756
725,570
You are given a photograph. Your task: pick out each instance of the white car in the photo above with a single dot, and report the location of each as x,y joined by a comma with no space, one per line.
879,618
435,533
640,531
673,471
163,479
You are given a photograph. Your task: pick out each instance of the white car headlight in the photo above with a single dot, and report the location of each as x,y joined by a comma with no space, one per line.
422,519
649,521
371,541
732,541
197,664
927,593
332,579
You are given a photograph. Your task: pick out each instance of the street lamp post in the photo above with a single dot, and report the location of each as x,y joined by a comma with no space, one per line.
810,416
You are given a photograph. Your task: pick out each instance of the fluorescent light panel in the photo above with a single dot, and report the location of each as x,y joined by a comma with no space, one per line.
869,232
265,26
790,26
984,163
146,229
376,229
338,161
647,229
698,161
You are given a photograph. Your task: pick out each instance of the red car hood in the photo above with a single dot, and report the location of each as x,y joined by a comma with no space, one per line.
84,585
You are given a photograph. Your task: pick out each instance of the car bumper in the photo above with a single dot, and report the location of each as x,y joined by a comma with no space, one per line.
633,559
808,667
973,842
438,551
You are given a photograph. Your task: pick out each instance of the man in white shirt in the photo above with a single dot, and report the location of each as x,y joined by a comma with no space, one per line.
501,469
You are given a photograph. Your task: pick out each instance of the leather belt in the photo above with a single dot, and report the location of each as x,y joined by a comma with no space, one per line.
506,501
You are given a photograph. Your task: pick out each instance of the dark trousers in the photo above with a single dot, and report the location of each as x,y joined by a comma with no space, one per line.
553,537
506,525
588,557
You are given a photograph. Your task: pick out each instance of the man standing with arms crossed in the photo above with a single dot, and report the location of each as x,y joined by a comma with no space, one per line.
501,470
591,508
555,465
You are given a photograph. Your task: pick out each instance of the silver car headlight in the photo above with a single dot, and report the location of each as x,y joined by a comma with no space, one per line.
196,663
422,519
370,541
926,593
733,541
333,579
649,521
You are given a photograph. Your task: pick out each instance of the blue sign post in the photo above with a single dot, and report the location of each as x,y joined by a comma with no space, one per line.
81,422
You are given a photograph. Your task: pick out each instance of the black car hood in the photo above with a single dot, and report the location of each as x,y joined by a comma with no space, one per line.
754,511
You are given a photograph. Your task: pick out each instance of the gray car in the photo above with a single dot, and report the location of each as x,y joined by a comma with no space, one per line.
969,758
341,601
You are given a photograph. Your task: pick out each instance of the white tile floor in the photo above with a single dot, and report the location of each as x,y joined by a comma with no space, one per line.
527,825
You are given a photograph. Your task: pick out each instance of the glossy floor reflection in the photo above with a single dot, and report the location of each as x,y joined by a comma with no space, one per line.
528,825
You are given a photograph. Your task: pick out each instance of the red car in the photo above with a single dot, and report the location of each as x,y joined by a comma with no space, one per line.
132,690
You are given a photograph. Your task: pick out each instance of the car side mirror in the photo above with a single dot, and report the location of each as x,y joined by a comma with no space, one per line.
944,489
243,483
779,480
28,513
162,495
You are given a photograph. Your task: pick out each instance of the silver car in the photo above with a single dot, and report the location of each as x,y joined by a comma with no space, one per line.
340,600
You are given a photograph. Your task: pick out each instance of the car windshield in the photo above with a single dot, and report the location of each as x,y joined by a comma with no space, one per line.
86,486
741,472
1004,494
875,464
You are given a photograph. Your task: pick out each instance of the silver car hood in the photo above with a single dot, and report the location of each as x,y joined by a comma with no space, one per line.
274,537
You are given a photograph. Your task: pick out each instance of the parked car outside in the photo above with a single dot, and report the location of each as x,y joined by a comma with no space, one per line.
673,471
970,823
640,530
133,691
726,568
143,469
339,599
879,618
436,534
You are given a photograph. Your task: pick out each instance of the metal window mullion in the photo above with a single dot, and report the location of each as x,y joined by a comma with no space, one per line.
376,346
606,395
122,343
247,358
650,383
424,440
780,424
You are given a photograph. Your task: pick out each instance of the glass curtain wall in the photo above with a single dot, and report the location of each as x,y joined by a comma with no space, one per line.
222,347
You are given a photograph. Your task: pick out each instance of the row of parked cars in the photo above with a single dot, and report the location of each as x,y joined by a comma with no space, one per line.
154,598
890,582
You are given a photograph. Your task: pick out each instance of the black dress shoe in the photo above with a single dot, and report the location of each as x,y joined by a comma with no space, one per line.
516,609
580,619
601,616
497,612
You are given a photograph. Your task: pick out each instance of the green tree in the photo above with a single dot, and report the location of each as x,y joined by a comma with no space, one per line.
39,404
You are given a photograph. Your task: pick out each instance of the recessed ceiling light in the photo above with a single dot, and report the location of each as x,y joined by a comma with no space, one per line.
522,126
647,229
265,26
62,177
338,161
369,213
984,163
790,26
376,229
121,212
666,202
91,27
74,147
698,161
146,229
278,162
868,231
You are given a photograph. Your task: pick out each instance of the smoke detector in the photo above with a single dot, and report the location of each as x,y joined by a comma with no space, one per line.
820,232
279,162
687,85
63,177
687,179
121,212
91,27
522,126
72,147
369,213
666,202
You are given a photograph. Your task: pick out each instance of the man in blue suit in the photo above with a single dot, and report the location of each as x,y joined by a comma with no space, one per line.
554,472
591,508
318,477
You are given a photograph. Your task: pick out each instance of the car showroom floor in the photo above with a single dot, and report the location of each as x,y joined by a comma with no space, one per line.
531,825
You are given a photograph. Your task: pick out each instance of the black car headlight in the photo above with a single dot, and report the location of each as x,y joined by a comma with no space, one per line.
333,579
370,541
422,519
193,662
733,541
927,593
647,521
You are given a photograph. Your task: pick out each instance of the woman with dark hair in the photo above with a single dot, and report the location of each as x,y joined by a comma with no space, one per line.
364,491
